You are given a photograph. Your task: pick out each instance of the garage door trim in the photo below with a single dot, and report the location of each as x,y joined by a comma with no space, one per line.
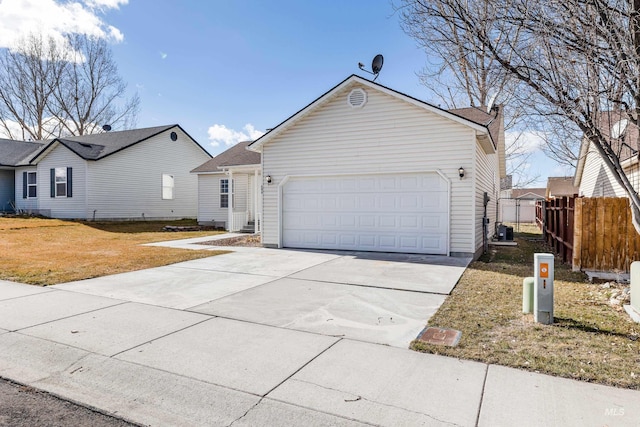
286,179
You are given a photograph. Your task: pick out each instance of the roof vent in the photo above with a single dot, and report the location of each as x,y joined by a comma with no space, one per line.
357,98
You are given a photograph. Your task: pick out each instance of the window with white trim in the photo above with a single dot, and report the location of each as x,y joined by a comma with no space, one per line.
224,193
61,182
32,185
168,183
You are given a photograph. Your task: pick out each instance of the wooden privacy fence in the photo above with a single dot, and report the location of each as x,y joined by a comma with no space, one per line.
604,236
556,219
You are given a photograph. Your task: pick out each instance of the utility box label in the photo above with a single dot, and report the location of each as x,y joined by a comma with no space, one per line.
543,292
544,270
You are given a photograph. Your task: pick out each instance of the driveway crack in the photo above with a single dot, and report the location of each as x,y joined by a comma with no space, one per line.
358,398
246,413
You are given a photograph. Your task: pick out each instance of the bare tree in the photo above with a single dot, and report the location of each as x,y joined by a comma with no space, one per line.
51,88
580,60
461,73
91,92
28,76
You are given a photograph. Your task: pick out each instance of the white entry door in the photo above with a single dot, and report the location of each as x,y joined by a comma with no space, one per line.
382,213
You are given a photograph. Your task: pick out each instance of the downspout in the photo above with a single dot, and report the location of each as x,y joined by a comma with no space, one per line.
230,200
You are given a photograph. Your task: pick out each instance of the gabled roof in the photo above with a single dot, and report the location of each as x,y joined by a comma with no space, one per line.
238,155
17,153
624,139
480,116
256,145
100,145
560,186
528,193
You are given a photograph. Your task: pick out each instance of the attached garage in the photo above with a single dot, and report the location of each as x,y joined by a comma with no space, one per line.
366,168
406,212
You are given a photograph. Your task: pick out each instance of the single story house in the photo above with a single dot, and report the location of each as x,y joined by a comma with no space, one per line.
364,167
125,175
592,177
229,190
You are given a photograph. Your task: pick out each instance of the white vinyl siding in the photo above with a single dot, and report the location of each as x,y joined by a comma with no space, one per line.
125,184
209,209
62,206
385,135
486,180
597,180
209,186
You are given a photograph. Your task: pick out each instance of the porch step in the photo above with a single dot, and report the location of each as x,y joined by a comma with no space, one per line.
249,228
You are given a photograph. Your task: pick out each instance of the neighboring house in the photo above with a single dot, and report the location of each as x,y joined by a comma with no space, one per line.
12,155
560,186
229,190
593,178
134,174
368,168
518,205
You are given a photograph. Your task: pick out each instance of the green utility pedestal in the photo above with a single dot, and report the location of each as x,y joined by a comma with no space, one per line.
527,294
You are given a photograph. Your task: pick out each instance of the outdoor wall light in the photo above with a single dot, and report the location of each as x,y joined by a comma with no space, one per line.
268,179
461,172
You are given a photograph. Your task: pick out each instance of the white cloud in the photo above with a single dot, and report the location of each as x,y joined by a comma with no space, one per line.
56,18
220,134
526,141
107,4
163,55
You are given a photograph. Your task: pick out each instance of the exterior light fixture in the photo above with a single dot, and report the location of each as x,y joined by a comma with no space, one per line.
268,179
461,172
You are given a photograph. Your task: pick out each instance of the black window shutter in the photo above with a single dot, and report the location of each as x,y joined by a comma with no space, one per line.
53,182
69,182
24,185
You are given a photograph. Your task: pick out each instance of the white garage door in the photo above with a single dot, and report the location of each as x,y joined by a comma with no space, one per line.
384,213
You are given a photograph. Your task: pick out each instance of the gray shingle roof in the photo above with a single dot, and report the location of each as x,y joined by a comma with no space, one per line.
481,117
17,153
99,145
234,156
559,186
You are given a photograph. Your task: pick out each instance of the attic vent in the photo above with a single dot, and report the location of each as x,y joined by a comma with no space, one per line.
357,98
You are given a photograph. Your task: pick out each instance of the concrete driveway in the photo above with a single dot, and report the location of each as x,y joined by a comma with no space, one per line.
275,337
379,298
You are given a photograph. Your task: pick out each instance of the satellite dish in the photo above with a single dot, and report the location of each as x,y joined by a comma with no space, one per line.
618,129
492,100
376,64
106,128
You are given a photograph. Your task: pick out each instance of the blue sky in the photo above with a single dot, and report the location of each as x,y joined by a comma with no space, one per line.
228,70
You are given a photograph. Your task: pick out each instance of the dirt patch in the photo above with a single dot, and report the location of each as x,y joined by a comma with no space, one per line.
25,406
250,240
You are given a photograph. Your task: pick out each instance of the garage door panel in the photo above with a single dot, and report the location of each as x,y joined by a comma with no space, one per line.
405,213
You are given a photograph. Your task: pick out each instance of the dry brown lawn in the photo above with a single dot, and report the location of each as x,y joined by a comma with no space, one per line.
590,340
47,251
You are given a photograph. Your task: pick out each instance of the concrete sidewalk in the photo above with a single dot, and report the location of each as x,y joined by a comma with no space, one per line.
274,339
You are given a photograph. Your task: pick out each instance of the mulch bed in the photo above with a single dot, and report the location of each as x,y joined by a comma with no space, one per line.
249,240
